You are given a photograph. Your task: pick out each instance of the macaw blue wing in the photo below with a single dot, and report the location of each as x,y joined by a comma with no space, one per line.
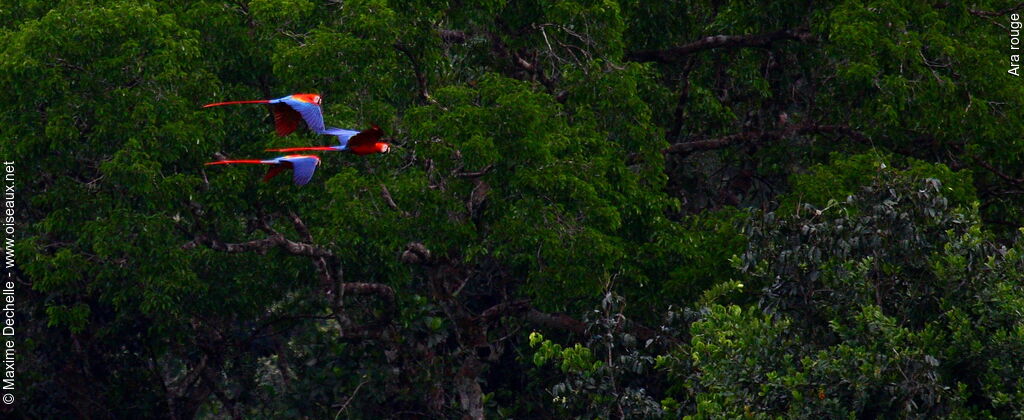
342,134
303,168
310,113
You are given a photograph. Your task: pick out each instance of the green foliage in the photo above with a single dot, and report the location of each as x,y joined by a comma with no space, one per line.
743,371
605,375
845,175
841,242
706,242
893,320
576,359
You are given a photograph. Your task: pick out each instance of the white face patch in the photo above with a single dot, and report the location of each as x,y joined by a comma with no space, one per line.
316,100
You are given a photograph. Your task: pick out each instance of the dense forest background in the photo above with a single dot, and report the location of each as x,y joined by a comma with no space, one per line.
594,209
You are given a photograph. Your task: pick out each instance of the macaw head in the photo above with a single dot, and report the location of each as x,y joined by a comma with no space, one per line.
383,148
311,98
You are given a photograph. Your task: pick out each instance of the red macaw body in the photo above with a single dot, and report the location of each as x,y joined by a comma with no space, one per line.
303,166
360,143
289,111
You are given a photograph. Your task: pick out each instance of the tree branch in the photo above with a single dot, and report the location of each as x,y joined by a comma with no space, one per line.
417,254
421,78
752,136
717,143
300,226
997,172
260,246
390,201
519,60
451,36
1004,12
476,174
558,321
765,40
383,291
684,97
555,321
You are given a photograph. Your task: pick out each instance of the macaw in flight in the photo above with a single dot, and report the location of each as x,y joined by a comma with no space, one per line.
358,142
302,165
289,110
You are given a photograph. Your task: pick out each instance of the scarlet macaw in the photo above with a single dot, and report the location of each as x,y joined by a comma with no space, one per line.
361,143
302,165
289,110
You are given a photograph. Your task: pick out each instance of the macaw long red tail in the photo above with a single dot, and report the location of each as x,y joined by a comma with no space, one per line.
299,149
262,101
226,162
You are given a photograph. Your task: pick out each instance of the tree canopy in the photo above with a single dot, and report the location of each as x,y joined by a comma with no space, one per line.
593,209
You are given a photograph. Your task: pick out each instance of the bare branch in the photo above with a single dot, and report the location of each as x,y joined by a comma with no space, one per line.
997,172
765,40
351,397
366,289
260,246
505,309
477,198
417,254
300,226
717,143
522,308
533,67
391,201
467,384
1004,12
754,136
684,96
181,385
421,78
834,129
476,174
556,321
451,36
